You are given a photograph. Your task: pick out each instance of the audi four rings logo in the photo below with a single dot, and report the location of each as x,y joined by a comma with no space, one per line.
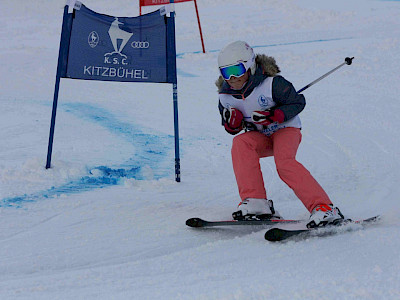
140,45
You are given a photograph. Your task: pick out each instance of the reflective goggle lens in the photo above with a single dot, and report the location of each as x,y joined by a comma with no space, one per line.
235,70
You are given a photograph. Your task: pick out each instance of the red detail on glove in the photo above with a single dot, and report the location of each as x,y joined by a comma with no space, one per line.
271,116
234,118
231,130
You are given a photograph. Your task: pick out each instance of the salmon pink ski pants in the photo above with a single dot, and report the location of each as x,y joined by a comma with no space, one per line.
249,147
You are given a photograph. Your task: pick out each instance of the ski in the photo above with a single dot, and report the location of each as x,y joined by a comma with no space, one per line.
281,234
199,223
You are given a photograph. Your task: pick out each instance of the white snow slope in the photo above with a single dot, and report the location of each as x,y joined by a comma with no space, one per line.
107,221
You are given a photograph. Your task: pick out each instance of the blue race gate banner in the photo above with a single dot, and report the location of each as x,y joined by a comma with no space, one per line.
95,46
111,48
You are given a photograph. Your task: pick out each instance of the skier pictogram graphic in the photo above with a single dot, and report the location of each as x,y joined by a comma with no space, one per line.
117,34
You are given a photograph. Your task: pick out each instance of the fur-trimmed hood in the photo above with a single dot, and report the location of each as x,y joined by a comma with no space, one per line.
265,67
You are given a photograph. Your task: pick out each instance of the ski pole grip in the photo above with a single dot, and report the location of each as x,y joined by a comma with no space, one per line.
227,114
258,118
349,60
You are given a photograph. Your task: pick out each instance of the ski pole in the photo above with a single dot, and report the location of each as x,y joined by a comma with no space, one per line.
347,61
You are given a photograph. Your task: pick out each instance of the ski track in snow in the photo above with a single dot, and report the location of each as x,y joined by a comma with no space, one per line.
181,55
151,150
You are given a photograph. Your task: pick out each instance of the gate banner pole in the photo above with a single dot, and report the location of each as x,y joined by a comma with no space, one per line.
198,21
57,87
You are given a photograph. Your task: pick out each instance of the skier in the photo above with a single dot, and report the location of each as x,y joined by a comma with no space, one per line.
254,98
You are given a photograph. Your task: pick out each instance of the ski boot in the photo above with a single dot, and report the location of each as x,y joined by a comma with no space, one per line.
254,208
324,214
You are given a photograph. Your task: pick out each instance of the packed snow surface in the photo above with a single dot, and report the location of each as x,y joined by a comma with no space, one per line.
107,221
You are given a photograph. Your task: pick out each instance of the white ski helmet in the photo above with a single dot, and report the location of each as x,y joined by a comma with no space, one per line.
235,53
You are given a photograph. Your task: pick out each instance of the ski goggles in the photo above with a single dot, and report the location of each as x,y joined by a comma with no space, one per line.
236,70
